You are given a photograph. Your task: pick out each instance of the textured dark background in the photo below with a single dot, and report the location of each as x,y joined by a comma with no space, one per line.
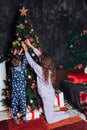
53,21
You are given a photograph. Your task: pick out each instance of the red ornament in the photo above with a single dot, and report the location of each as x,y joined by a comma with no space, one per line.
31,39
79,66
17,34
31,31
60,66
33,86
26,21
84,31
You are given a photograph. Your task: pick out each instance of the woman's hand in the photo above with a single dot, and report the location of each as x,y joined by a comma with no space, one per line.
29,43
24,46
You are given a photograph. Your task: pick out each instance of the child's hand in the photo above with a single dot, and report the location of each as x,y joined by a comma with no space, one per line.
24,46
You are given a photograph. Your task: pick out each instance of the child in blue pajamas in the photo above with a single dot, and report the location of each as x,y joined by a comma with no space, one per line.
45,77
18,88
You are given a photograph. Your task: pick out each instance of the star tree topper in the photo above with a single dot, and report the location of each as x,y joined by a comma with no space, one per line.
23,11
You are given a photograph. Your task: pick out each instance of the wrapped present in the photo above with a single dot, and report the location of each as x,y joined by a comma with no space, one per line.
33,114
28,109
40,110
59,99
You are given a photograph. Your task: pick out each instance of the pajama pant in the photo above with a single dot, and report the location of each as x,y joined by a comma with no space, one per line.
18,99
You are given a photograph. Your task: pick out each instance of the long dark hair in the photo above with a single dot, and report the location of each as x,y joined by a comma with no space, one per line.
48,65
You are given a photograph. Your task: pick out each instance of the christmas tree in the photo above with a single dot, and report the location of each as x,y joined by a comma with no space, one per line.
24,29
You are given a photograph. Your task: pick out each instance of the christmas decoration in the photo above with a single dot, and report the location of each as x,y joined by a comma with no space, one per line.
79,54
32,114
59,100
24,29
23,11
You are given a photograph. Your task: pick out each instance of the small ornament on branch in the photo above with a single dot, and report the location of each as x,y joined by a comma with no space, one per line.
85,31
26,21
17,34
31,31
31,39
16,43
31,101
33,86
33,54
20,26
29,77
79,66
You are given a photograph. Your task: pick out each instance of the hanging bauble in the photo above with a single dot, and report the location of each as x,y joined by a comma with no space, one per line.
19,39
31,39
33,86
80,66
31,31
31,101
26,21
33,54
29,76
17,34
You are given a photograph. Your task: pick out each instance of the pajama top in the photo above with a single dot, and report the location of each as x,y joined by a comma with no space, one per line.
46,91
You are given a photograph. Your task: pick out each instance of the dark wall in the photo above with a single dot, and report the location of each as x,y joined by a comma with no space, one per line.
53,20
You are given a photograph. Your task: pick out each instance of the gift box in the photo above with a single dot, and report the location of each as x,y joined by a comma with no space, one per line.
59,99
33,114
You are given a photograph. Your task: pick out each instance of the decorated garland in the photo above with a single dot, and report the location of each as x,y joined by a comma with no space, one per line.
79,56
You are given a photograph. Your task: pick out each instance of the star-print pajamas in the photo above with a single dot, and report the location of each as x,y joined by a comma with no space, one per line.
18,89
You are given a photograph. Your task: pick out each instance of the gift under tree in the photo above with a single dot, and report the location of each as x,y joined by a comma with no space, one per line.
24,29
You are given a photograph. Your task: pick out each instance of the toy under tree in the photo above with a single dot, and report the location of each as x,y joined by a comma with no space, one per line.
24,29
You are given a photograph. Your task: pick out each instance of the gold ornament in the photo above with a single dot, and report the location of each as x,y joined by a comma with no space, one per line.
16,43
21,26
23,11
